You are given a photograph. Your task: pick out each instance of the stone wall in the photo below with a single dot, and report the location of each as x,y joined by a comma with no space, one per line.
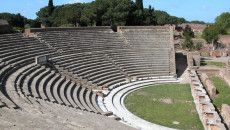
225,112
225,74
209,116
160,28
219,53
193,59
32,32
5,29
98,28
190,60
210,88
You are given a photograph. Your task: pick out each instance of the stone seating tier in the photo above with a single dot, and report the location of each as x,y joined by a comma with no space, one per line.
80,60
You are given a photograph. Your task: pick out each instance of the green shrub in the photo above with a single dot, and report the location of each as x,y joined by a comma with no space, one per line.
198,46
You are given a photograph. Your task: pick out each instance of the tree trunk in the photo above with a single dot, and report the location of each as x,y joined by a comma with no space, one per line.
213,45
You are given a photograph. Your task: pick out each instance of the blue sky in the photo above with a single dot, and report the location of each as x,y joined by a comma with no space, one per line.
205,10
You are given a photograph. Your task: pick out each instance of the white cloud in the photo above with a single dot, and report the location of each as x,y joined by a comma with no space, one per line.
204,7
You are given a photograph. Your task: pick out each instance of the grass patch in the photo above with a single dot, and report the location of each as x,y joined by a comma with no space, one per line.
213,63
228,31
205,54
198,35
165,105
223,89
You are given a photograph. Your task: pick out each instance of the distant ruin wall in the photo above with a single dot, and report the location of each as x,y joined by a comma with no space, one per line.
225,112
193,59
28,33
219,53
210,88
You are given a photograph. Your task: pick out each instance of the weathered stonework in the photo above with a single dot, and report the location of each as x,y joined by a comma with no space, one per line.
225,112
210,88
41,59
193,59
209,116
225,74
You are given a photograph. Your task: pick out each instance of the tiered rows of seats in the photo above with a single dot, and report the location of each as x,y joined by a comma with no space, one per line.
147,38
151,55
94,67
142,64
82,60
82,39
140,52
47,84
20,75
16,52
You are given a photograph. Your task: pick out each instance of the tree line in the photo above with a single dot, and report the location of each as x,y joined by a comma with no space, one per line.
97,13
104,13
220,27
18,21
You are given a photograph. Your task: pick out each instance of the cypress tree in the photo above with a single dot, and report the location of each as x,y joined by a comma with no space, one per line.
50,7
139,4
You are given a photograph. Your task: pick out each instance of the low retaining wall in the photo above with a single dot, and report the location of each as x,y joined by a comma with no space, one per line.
225,74
208,71
219,53
208,115
210,88
225,112
32,31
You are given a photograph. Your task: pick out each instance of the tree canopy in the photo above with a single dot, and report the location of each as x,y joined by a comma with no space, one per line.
50,7
223,22
163,18
221,26
15,20
139,4
210,34
18,21
198,22
188,42
187,32
110,13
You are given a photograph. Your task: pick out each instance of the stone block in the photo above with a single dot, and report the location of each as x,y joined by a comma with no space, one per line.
225,112
210,88
42,59
225,74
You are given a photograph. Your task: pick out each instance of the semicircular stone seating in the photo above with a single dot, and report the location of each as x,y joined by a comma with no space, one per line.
36,85
114,102
95,68
16,52
83,63
21,76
